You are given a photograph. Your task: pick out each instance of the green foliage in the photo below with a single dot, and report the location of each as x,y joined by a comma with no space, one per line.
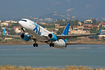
9,67
48,26
94,21
94,30
104,21
72,23
97,22
82,22
103,38
4,41
2,36
60,31
11,25
12,32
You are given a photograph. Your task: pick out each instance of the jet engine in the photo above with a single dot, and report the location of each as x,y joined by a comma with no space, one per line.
25,37
52,37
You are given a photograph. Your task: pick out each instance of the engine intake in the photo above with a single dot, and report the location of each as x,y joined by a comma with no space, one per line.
52,37
25,37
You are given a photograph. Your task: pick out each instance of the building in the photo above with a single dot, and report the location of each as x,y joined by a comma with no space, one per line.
102,35
55,32
43,23
80,23
79,32
86,29
4,24
87,25
88,21
103,25
57,27
0,21
17,29
13,22
76,27
95,25
8,21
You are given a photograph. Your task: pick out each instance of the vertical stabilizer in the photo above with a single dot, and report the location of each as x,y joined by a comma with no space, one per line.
4,31
66,30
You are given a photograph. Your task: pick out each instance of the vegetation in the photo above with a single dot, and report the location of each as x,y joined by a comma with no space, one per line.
9,67
11,25
94,30
60,31
72,23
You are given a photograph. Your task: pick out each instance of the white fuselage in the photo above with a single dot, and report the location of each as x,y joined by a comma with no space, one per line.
40,33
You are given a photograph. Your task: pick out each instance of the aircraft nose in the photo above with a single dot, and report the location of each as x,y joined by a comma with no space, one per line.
20,23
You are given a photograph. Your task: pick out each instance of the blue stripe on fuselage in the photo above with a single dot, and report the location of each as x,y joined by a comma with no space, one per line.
36,28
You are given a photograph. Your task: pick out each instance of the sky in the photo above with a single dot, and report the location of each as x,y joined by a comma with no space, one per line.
13,9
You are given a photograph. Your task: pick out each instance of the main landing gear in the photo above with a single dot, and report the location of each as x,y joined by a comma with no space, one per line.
51,44
35,44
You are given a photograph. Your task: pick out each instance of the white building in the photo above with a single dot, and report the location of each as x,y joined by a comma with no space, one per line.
17,29
4,24
88,21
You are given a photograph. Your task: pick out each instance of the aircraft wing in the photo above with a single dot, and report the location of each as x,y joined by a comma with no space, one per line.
10,35
17,36
74,36
75,43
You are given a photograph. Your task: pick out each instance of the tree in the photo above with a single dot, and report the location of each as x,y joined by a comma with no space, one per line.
103,38
0,28
97,22
60,31
94,21
72,23
104,21
2,36
93,30
12,31
82,22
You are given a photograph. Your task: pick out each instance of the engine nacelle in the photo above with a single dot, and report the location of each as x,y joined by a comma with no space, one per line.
52,37
25,37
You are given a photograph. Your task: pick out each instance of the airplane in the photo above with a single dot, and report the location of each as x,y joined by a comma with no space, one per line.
38,33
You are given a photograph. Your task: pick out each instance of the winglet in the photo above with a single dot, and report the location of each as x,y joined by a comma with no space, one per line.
4,31
100,31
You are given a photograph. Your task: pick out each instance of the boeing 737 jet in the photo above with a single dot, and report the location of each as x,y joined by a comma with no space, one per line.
38,33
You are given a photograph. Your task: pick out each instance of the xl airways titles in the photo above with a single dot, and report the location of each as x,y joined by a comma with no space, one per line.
36,32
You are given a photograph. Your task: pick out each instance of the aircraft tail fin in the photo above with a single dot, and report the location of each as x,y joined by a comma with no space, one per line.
66,30
4,31
100,31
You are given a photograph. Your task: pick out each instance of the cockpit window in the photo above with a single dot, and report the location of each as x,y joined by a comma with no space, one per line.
24,20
